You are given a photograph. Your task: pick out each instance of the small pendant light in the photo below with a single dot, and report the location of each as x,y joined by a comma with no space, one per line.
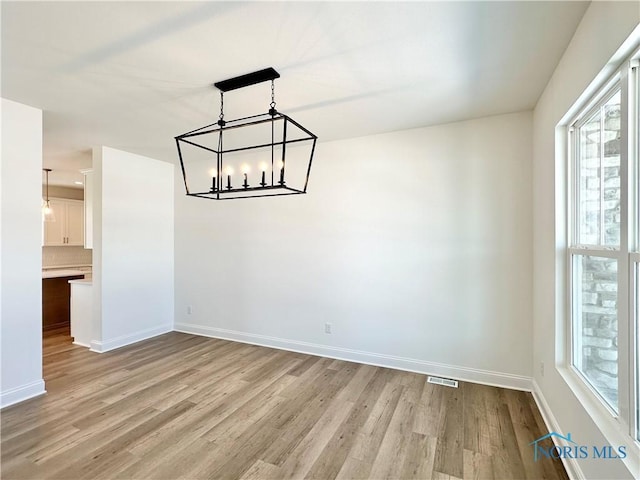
48,215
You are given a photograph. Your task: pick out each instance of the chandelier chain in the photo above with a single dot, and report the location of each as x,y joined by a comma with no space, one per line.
273,95
221,117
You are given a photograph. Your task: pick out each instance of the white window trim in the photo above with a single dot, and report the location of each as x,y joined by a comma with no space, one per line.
619,253
634,238
621,429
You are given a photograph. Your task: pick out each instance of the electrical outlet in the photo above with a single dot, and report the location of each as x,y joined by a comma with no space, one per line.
542,369
327,328
189,310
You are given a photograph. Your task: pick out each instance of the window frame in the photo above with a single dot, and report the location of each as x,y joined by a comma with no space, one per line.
634,246
627,253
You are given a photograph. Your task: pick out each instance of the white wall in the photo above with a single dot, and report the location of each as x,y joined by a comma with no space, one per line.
133,248
415,245
21,225
603,29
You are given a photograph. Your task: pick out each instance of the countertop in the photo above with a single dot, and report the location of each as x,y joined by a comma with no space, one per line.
67,267
62,273
82,281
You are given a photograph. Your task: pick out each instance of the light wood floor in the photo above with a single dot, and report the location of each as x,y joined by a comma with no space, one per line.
182,406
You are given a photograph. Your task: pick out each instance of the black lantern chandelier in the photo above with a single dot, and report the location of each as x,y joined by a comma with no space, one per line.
261,155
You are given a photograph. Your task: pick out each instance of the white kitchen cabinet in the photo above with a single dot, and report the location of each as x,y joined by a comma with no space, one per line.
68,227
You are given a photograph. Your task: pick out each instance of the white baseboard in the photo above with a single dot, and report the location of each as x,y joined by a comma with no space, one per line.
570,464
124,340
486,377
22,393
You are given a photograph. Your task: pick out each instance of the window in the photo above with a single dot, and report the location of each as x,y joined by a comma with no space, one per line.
598,157
596,140
603,252
596,319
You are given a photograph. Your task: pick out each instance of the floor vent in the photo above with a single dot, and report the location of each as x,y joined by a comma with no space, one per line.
443,381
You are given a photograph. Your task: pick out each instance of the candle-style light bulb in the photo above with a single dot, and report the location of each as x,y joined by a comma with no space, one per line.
245,169
214,174
263,167
281,167
229,172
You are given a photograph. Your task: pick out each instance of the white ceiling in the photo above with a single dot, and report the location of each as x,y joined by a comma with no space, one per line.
133,75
